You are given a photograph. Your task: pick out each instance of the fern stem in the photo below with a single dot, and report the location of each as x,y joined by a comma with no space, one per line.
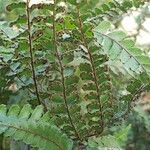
58,55
31,55
93,68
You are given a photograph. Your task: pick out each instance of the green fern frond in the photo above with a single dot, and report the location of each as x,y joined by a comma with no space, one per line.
64,94
32,127
122,52
104,142
135,88
113,9
16,5
95,81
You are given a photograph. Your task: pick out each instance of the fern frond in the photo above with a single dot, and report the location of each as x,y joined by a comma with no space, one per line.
95,81
64,87
92,72
122,52
17,5
104,142
135,88
32,127
113,9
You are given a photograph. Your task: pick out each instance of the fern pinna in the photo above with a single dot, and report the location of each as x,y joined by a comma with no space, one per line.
68,57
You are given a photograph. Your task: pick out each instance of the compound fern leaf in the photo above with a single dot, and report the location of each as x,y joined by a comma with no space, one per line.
32,127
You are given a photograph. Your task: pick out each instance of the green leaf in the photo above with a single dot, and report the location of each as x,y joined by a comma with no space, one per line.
13,6
130,58
9,32
103,27
117,35
104,142
32,130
